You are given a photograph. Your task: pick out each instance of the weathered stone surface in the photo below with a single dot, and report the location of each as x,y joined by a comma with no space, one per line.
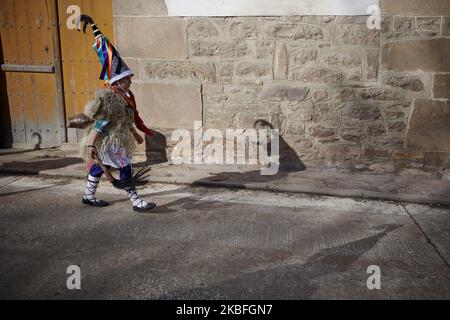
416,7
220,49
394,115
352,131
238,27
375,129
404,23
295,127
154,44
437,159
407,155
340,152
446,26
441,86
429,23
356,34
242,93
199,28
341,58
284,93
178,70
212,89
281,63
263,49
409,35
320,95
253,70
319,74
303,56
429,128
380,94
293,31
370,154
139,8
319,131
406,82
410,55
398,126
362,111
304,110
161,104
225,71
372,57
344,94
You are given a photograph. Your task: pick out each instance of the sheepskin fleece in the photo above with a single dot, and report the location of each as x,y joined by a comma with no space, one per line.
109,106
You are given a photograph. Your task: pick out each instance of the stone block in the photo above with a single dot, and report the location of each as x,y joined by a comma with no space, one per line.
197,71
354,31
380,94
199,28
362,111
441,86
372,64
319,74
253,70
340,152
139,37
280,92
238,27
429,23
164,105
415,7
422,55
404,24
412,83
340,58
224,49
446,26
139,8
292,31
428,127
281,63
303,56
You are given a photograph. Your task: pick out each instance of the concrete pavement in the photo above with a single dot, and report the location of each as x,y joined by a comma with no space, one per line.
208,243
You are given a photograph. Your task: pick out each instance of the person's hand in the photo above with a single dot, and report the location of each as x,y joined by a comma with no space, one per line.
92,152
138,137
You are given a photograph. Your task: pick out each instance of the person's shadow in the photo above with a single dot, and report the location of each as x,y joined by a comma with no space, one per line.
289,162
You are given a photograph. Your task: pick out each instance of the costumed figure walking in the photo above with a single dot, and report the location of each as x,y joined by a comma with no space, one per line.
110,140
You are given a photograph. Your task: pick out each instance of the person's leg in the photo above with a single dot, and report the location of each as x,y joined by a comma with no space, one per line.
95,173
138,204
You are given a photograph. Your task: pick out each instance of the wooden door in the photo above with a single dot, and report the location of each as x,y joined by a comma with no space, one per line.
30,54
51,70
81,66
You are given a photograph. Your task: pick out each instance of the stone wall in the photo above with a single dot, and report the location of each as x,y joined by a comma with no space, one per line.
342,95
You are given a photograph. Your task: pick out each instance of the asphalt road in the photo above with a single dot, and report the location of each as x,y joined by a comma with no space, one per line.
203,243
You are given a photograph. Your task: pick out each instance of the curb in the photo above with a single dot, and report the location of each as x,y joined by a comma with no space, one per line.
204,182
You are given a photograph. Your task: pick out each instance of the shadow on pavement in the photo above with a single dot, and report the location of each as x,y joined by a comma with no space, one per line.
35,166
295,281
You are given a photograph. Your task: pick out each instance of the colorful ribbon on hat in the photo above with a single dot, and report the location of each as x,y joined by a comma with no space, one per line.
105,51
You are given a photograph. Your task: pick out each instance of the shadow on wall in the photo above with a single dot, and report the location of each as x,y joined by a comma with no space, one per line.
6,137
289,162
156,148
